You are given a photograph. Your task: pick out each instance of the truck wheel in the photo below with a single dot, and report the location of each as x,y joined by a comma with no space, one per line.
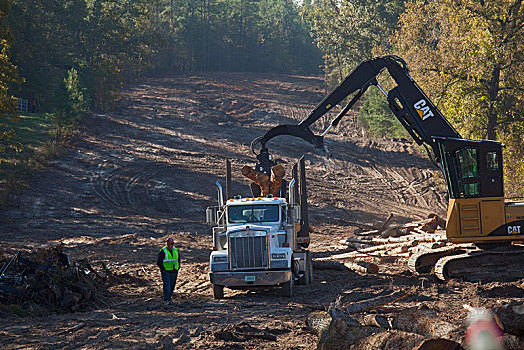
309,269
304,279
307,277
218,291
287,288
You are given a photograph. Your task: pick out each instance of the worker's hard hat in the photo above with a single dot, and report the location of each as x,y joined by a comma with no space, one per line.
170,241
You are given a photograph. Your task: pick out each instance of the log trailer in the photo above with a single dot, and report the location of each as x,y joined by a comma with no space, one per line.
477,212
260,241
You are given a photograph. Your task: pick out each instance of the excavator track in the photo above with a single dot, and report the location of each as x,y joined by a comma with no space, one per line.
493,265
424,261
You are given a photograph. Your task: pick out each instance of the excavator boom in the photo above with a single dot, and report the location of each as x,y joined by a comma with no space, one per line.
407,101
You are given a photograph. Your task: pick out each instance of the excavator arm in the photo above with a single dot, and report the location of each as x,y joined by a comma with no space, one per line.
407,101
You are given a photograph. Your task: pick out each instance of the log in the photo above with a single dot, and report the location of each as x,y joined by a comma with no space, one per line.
375,320
386,223
267,185
362,240
277,174
421,231
318,321
440,222
512,342
258,178
366,251
400,250
367,233
328,265
511,319
344,332
374,303
430,226
341,334
358,246
417,238
392,340
362,267
439,344
424,321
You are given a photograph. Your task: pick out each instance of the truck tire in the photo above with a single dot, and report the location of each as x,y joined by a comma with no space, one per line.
218,291
287,288
304,279
307,276
309,269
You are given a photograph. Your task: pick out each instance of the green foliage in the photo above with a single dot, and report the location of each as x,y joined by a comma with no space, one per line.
348,32
469,57
9,76
71,104
376,117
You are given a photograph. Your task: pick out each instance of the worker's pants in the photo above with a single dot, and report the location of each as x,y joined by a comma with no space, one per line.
169,279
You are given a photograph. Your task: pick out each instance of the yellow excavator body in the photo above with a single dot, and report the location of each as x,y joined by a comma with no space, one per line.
485,219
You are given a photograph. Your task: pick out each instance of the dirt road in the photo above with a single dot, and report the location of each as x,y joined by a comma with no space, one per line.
145,172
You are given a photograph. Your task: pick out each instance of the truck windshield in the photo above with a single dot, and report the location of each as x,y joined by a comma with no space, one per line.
240,214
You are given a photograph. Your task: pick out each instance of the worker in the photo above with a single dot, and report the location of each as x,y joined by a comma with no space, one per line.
168,261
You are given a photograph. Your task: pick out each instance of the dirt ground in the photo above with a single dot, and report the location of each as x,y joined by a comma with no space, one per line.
147,171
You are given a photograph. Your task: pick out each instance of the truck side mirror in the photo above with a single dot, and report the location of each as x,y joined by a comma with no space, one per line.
211,216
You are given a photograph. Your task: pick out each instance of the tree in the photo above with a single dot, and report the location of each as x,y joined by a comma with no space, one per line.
469,57
347,32
376,117
71,104
9,76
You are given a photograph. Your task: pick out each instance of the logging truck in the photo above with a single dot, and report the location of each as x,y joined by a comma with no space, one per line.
259,241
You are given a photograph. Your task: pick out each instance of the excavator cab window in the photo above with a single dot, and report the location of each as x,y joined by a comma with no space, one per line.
492,162
467,171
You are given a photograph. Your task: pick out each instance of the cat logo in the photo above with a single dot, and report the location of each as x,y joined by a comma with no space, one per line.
513,230
423,109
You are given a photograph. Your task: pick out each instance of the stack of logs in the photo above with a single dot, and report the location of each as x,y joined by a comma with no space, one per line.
352,326
267,185
383,243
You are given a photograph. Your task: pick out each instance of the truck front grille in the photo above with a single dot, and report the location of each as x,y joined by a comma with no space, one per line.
248,252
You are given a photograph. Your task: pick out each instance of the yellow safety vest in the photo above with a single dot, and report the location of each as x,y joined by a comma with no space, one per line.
170,260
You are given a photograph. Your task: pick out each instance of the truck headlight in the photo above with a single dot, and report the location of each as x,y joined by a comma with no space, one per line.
278,256
220,259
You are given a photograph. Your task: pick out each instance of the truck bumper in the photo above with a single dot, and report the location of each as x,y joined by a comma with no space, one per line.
250,278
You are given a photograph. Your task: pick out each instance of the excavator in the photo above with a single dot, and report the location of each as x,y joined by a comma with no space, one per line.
485,228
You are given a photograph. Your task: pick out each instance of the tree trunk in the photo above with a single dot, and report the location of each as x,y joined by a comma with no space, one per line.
423,321
511,319
491,132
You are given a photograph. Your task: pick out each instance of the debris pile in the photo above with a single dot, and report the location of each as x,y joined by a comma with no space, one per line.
49,280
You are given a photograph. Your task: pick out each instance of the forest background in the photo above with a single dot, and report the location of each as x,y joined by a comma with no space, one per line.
71,56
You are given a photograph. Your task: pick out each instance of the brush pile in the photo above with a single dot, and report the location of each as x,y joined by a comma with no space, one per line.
48,280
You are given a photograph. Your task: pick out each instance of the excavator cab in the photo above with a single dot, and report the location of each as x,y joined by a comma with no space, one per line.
473,172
